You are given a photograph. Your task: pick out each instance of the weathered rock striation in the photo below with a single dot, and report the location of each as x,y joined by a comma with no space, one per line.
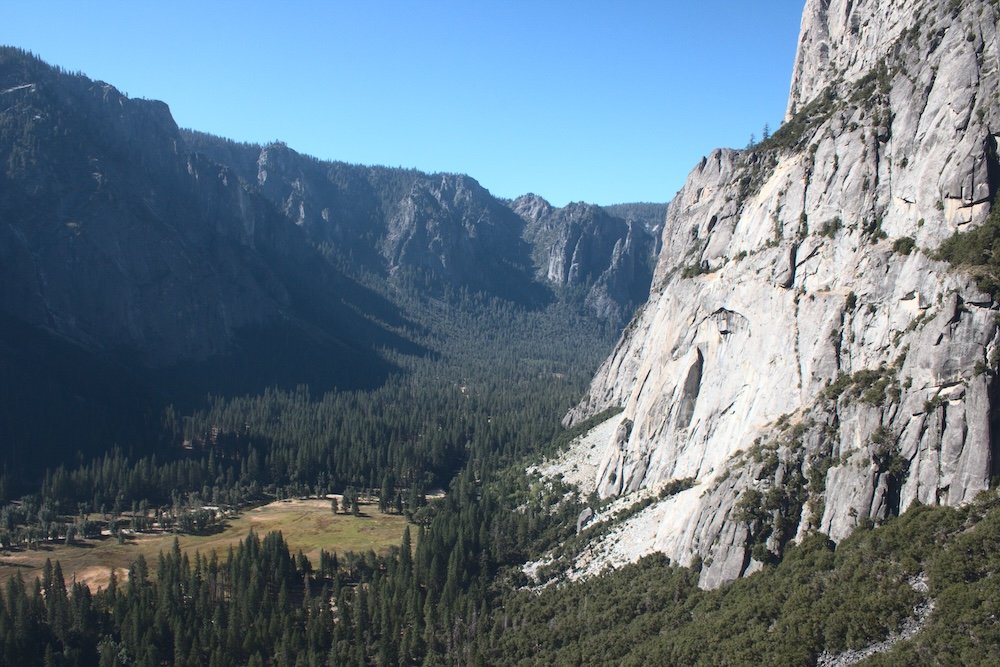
584,247
802,354
448,230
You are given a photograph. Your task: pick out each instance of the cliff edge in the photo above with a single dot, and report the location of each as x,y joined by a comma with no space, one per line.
804,355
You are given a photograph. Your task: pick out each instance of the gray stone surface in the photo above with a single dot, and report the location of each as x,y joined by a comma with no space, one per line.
584,247
774,280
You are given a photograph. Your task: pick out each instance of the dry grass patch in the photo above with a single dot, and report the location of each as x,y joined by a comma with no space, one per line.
307,525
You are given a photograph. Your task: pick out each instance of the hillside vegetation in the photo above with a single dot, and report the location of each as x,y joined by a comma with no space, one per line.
270,607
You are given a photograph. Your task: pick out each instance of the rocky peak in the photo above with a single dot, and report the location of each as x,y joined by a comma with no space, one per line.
277,157
531,207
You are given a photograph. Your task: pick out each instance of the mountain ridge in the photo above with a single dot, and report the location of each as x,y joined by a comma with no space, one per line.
205,266
413,220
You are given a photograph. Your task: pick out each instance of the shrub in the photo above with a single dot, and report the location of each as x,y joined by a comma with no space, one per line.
978,251
831,227
904,245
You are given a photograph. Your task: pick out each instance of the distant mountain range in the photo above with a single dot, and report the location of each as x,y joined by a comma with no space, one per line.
448,230
175,263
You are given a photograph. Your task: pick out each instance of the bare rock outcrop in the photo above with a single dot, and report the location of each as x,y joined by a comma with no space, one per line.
803,354
583,247
448,230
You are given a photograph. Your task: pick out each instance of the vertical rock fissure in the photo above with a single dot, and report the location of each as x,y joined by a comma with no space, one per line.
793,252
747,552
795,344
837,337
689,393
992,167
993,394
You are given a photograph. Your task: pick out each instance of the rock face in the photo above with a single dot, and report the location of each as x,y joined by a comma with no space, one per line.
443,229
78,214
794,356
446,229
583,247
450,227
118,238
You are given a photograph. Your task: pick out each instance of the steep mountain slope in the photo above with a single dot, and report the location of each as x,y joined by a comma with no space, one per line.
117,238
582,247
135,272
803,355
447,230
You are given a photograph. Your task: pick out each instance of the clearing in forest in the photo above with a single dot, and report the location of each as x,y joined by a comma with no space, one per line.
307,525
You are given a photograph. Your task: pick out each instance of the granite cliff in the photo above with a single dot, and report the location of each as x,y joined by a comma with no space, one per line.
444,230
120,240
803,355
587,248
448,230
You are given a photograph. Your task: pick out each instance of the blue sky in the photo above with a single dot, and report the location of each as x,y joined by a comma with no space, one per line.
603,102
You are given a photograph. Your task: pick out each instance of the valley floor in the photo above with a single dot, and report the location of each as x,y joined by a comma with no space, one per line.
306,524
